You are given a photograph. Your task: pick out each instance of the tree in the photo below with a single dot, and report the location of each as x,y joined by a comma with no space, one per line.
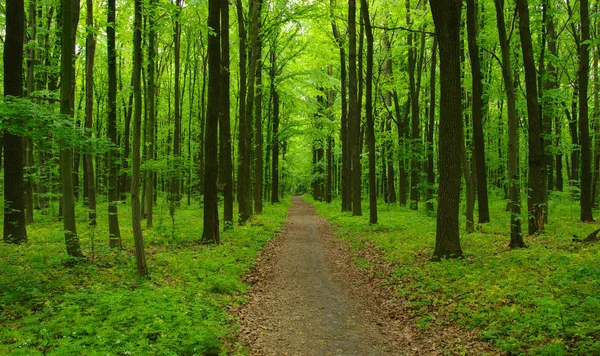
210,233
516,237
275,145
88,163
258,135
67,99
369,113
136,209
446,17
477,115
15,230
174,192
114,233
226,166
353,112
535,203
584,128
430,128
151,111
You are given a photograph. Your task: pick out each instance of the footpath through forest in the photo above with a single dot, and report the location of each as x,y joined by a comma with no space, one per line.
308,298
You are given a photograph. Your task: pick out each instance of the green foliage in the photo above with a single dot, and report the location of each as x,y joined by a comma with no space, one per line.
540,300
100,307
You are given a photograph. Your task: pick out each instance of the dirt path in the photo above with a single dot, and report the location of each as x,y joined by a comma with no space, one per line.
302,301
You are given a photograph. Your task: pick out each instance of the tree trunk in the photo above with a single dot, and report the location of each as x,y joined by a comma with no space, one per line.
430,128
136,211
584,128
258,138
516,237
346,163
353,112
28,142
67,93
211,166
477,115
369,113
151,100
446,17
275,148
225,171
535,203
329,154
88,163
15,230
174,193
114,233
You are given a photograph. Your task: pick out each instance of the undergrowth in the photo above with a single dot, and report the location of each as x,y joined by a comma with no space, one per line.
51,306
541,300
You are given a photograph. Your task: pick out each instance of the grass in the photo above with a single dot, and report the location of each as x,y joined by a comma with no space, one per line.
540,300
48,306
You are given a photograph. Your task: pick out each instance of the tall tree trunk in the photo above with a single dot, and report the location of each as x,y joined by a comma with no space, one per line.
414,118
90,52
174,193
387,73
28,142
245,130
258,138
136,210
226,169
596,129
446,17
275,146
114,233
15,230
584,128
346,163
211,209
535,203
477,115
353,112
369,113
516,237
430,128
329,154
67,98
151,100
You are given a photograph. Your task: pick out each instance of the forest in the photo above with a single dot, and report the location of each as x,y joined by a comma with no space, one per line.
164,162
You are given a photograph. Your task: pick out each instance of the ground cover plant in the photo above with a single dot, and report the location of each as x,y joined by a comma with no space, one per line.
50,305
539,300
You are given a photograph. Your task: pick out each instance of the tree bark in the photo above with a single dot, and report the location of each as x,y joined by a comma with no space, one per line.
67,96
446,17
516,237
535,203
150,133
15,230
585,201
211,167
174,192
258,138
430,128
90,52
353,112
136,210
477,115
275,148
226,169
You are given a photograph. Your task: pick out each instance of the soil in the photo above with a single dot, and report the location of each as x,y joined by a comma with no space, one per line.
308,298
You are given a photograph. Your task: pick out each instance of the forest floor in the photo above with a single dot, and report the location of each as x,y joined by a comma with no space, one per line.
308,297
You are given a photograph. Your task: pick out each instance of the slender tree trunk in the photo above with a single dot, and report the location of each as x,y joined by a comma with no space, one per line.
584,128
430,129
67,96
477,115
596,130
353,112
275,148
329,154
28,142
136,210
535,203
15,230
174,193
90,52
258,138
369,113
211,167
446,17
226,169
114,233
516,237
151,100
346,164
